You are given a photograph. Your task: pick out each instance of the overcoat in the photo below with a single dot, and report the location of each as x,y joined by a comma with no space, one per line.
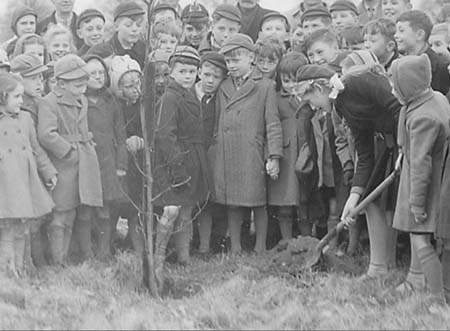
180,148
22,160
249,133
251,20
63,132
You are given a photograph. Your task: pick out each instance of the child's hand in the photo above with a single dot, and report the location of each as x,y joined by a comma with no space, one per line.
121,173
135,144
273,168
351,203
52,183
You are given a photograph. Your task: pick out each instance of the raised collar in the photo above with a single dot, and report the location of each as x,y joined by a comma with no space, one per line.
66,98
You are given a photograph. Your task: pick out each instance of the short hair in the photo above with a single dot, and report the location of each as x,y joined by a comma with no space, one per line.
8,83
325,20
212,65
182,60
275,18
291,62
56,30
418,20
134,18
170,28
322,35
353,36
270,47
383,26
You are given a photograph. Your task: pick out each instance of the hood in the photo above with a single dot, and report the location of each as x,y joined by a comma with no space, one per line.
89,57
411,76
119,66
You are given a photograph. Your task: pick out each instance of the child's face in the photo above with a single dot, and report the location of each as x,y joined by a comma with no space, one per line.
77,86
298,37
184,74
322,53
393,8
377,44
313,24
37,50
194,34
224,29
162,74
165,16
51,83
268,66
97,74
26,25
319,99
343,19
130,86
34,85
275,27
210,77
406,37
129,30
59,46
288,83
167,42
439,44
92,32
240,63
14,99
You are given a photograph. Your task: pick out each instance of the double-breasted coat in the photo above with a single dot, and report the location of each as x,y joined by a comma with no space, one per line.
63,132
180,148
23,163
249,132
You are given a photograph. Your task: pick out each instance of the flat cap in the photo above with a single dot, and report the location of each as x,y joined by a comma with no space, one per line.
238,40
127,9
194,13
340,5
89,14
216,59
20,12
186,52
229,12
27,65
314,12
313,71
70,67
275,14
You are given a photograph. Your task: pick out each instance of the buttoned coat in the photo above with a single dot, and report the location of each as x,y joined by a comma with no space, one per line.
249,133
23,166
63,132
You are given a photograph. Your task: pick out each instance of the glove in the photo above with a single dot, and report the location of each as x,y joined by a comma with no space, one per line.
347,177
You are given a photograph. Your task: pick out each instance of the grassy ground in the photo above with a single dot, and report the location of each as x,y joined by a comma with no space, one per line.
226,293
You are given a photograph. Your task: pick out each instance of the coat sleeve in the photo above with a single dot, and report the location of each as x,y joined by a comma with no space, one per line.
273,124
48,134
342,143
45,166
423,132
120,136
365,149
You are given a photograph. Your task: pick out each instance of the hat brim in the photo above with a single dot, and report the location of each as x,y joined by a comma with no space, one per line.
131,12
39,70
75,74
229,16
228,48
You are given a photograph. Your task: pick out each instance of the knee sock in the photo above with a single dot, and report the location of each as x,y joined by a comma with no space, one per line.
432,269
19,248
415,275
261,224
353,238
446,272
7,260
37,249
104,239
56,241
285,219
182,235
235,218
204,230
377,227
83,230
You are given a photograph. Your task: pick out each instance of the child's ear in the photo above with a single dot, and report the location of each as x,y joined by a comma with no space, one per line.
420,35
79,33
391,46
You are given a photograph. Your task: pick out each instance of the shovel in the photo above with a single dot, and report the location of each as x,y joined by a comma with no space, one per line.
314,255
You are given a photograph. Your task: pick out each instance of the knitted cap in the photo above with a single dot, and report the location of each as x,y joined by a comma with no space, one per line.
363,57
20,12
229,12
119,66
186,52
315,12
275,14
70,67
89,14
27,65
127,9
238,40
216,59
313,71
195,13
340,5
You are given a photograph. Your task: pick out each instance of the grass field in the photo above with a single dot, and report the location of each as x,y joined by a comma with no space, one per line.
225,293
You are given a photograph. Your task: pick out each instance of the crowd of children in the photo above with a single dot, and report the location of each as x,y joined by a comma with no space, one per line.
265,122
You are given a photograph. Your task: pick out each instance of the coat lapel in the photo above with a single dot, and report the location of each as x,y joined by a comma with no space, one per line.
246,89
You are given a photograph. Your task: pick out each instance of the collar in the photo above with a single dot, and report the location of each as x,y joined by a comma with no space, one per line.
239,81
198,91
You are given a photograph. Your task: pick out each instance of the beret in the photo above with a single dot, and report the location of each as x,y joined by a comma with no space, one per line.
214,58
275,14
195,13
340,5
89,14
186,52
19,13
229,12
70,67
103,50
238,40
313,71
126,9
27,65
314,12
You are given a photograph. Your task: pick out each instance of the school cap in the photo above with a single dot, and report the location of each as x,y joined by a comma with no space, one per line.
315,12
186,52
127,9
229,12
27,65
313,71
216,59
195,13
238,40
341,5
70,67
89,14
164,6
20,12
275,14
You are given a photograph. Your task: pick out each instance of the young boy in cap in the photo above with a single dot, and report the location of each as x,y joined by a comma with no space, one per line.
249,143
344,15
23,22
392,9
128,23
269,52
314,19
275,25
90,29
226,22
160,59
63,132
195,19
369,10
413,32
440,40
167,37
163,14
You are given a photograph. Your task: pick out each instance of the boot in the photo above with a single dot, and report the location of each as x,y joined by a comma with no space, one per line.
104,239
37,249
331,224
83,235
19,254
57,244
30,268
353,238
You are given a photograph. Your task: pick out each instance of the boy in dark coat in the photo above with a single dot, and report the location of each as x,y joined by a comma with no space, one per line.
252,16
195,19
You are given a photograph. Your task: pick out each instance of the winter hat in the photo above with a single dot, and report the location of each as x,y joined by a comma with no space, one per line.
70,67
238,40
19,13
19,48
103,50
313,71
89,14
126,9
88,57
27,65
120,65
186,52
441,28
315,12
195,14
275,14
341,5
216,59
229,12
363,57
